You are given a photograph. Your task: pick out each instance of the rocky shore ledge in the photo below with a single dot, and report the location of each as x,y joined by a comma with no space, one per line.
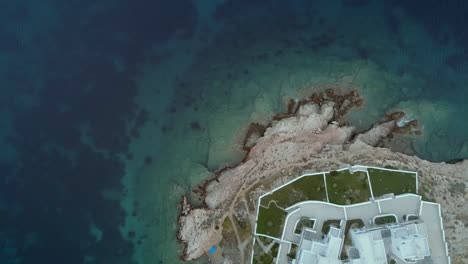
312,136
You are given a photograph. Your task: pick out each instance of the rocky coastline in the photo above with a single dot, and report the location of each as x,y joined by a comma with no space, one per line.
311,135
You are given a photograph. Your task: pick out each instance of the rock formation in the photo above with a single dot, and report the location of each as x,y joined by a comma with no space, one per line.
310,137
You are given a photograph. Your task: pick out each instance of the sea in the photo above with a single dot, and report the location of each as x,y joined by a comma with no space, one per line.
111,110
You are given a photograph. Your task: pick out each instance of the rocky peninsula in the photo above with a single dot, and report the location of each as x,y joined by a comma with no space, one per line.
312,135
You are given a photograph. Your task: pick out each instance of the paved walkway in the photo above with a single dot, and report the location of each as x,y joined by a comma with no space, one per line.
317,210
365,212
320,211
431,217
403,205
283,253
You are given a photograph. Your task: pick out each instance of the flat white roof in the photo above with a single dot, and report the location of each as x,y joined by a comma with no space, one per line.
431,215
334,246
319,248
324,260
334,232
322,252
308,257
306,244
370,246
415,247
410,241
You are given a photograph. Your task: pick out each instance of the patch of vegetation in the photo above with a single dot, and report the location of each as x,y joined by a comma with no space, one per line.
245,231
345,187
274,250
381,220
260,256
227,225
229,236
270,220
392,261
265,240
326,225
306,188
303,222
353,223
426,197
292,252
425,189
395,182
265,258
243,227
412,217
228,232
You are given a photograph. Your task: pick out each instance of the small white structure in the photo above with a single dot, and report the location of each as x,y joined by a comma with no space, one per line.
326,251
409,242
370,246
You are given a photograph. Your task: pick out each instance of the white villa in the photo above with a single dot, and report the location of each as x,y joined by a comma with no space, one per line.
414,234
405,243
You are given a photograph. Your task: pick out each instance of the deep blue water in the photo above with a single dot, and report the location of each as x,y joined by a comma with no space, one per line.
73,66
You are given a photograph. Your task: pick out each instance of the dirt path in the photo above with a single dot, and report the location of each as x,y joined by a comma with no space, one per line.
237,237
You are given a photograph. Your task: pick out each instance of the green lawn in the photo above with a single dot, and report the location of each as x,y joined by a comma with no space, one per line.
260,256
265,240
306,188
270,220
274,250
395,182
346,188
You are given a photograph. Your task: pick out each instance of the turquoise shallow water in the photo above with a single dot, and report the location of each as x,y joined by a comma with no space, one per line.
118,109
262,56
